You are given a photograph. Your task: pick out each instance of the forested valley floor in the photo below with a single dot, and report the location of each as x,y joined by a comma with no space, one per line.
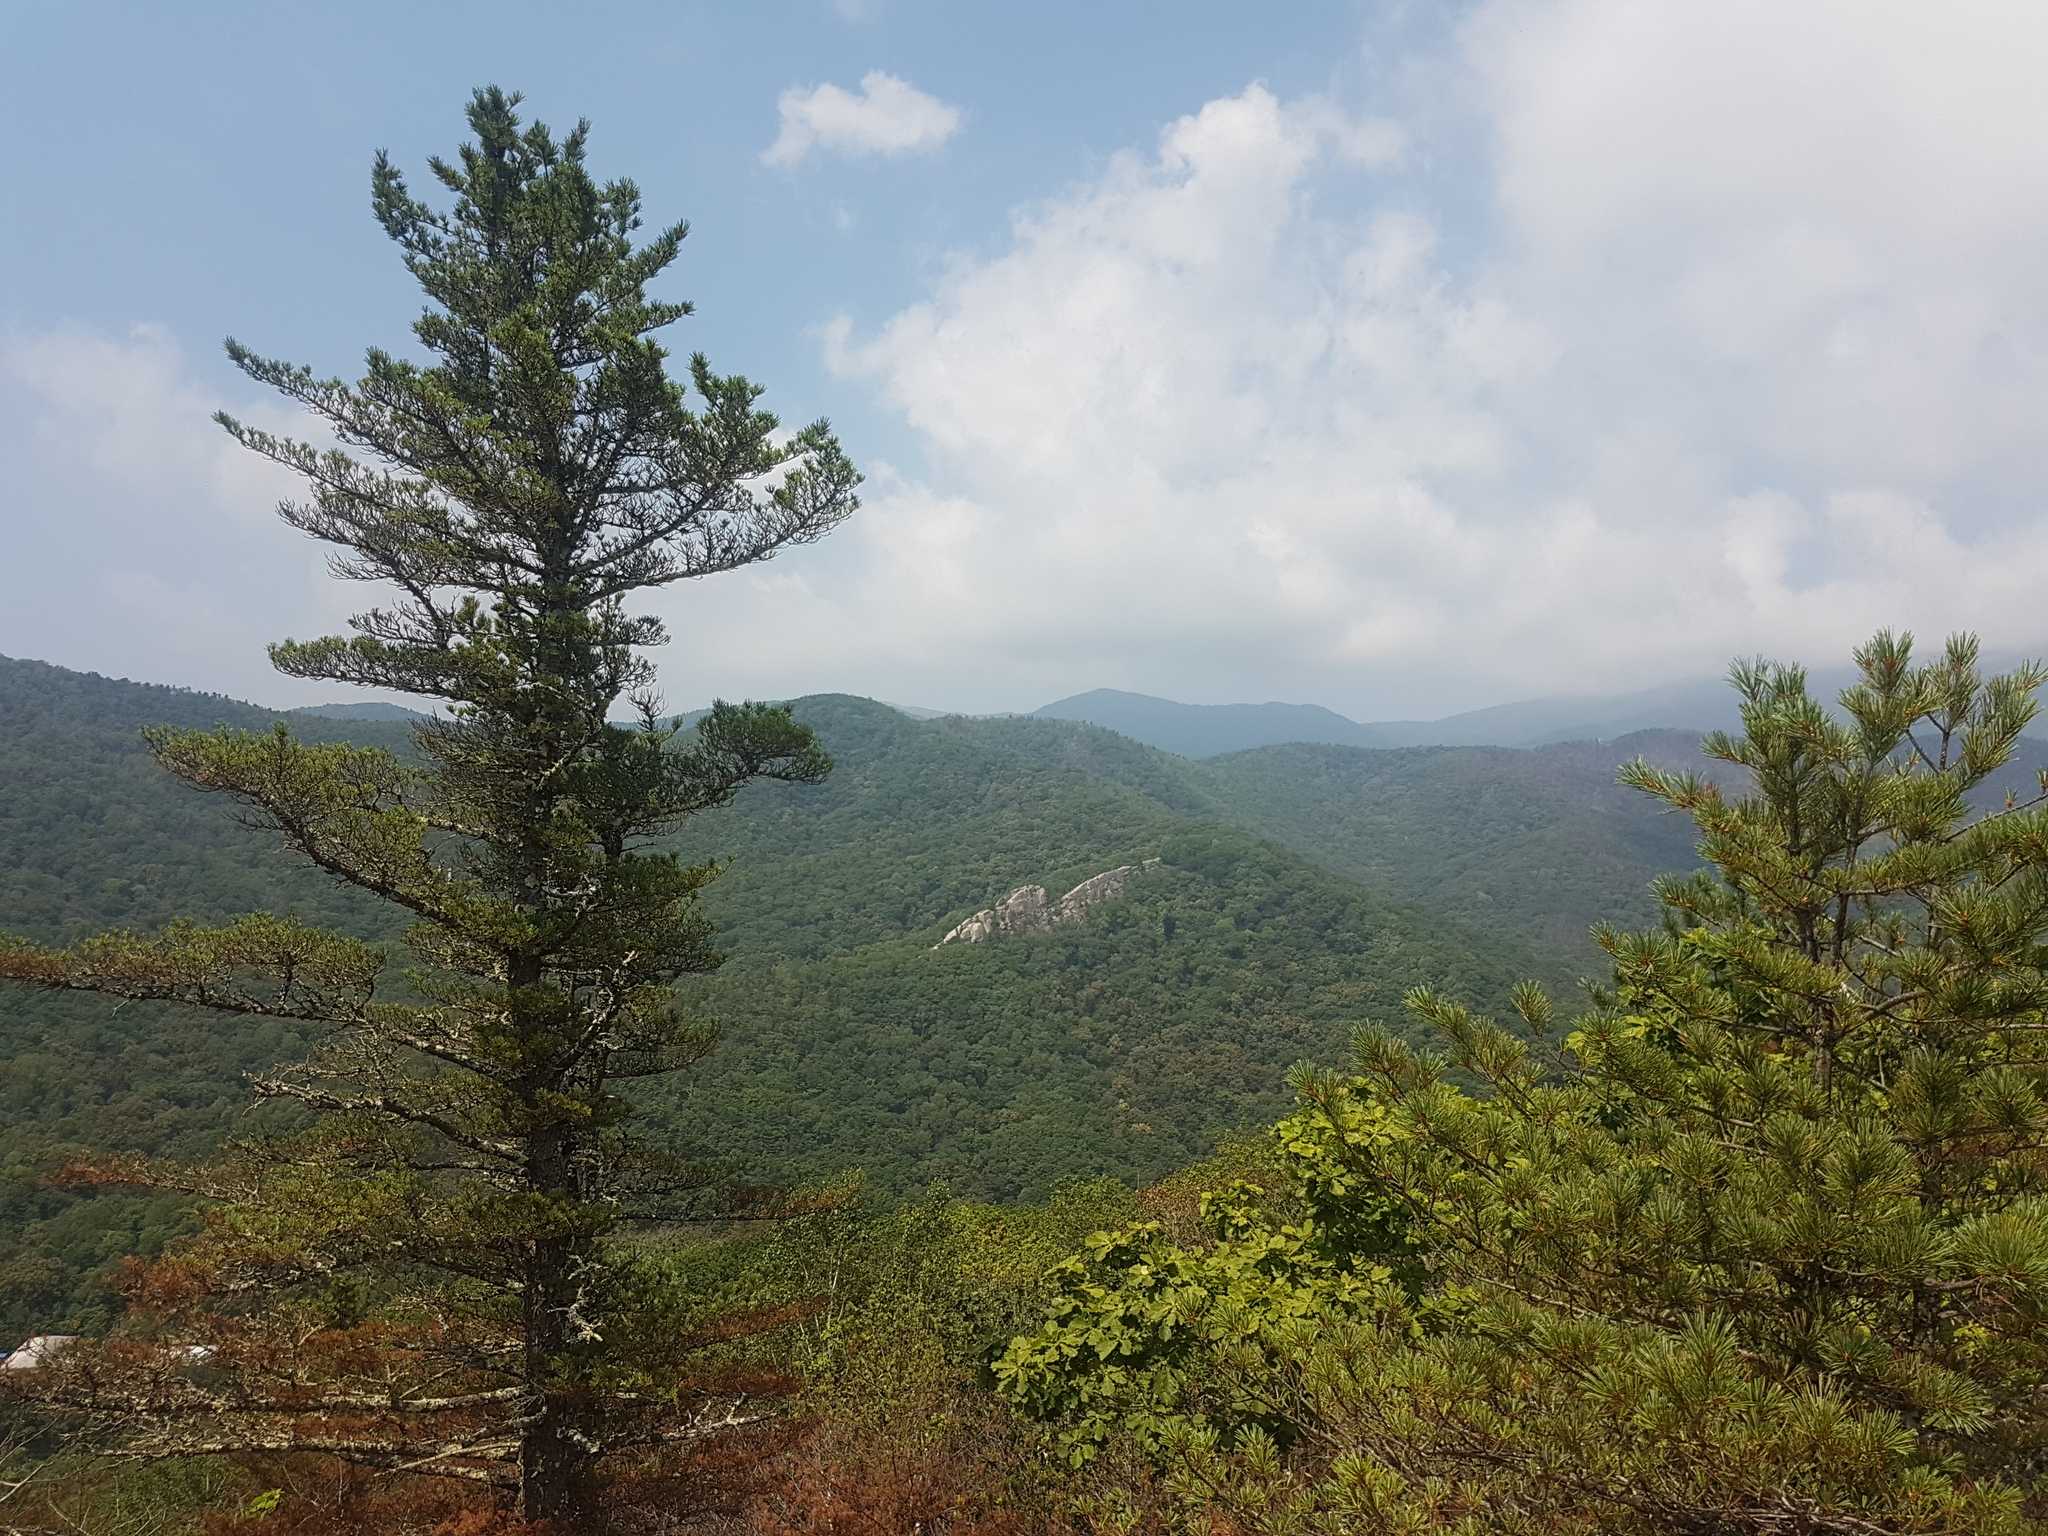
958,1119
1306,889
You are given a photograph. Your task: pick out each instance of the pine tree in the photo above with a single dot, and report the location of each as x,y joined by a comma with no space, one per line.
452,1201
1763,1248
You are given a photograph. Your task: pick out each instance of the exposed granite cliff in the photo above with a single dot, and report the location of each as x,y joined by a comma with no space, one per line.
1025,910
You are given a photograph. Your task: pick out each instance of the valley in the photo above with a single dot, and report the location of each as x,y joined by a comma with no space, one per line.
1302,891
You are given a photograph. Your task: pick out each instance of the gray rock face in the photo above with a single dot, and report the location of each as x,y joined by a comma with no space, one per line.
1025,910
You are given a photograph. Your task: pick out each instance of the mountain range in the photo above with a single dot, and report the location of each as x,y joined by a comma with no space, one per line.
1300,890
1205,730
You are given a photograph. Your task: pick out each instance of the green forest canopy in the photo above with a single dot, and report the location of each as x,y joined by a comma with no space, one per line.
1106,1047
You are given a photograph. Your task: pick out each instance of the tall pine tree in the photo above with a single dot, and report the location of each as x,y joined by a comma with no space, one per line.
470,1153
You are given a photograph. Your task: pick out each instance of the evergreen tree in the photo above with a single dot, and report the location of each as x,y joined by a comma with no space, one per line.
470,1155
1765,1248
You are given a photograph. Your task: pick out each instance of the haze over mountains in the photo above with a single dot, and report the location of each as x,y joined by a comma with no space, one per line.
1696,705
1206,730
369,709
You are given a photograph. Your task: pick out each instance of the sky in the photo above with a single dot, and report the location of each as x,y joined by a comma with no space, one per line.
1400,358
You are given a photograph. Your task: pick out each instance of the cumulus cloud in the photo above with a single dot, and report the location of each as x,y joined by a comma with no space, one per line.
141,541
1752,356
888,117
1743,350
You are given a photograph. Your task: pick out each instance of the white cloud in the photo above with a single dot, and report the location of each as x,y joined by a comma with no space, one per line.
1844,205
1754,357
1745,351
141,540
888,117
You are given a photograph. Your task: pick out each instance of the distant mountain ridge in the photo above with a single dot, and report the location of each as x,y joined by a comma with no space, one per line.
1696,704
1300,890
1209,730
1119,1042
375,709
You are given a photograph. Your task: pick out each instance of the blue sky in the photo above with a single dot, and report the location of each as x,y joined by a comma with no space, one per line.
1399,358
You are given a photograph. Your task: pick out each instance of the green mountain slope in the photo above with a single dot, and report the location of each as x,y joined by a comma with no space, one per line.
1541,843
1534,844
94,836
1119,1044
1304,888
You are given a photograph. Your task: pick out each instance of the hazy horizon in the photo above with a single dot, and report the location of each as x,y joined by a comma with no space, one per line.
331,701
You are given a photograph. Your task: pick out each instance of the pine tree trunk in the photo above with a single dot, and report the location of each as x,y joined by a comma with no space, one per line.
554,1458
555,1474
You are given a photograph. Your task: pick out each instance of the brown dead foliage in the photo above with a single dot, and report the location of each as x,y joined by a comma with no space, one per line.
324,1496
970,1475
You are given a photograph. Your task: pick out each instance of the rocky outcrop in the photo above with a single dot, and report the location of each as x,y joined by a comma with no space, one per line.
1025,910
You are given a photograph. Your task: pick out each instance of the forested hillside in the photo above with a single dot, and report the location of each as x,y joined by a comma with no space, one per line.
1306,889
93,836
1534,843
1117,1045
